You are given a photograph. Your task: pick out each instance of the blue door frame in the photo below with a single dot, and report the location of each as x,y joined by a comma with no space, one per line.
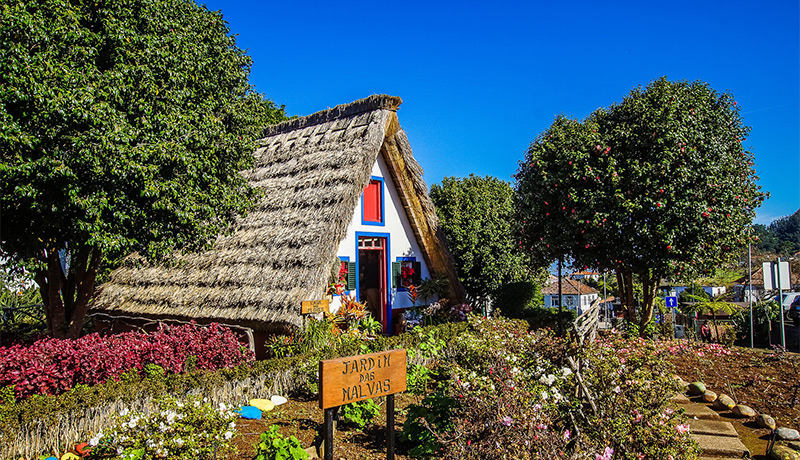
387,274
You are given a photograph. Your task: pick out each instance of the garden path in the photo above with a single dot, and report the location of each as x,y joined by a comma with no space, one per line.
717,438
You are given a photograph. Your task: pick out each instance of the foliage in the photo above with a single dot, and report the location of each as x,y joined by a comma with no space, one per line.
424,421
477,217
782,236
295,373
508,387
655,186
358,414
518,299
273,446
124,128
53,366
420,371
764,313
190,429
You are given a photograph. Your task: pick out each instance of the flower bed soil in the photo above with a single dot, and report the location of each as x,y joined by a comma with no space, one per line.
303,418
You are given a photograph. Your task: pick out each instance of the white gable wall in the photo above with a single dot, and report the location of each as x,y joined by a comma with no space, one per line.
395,228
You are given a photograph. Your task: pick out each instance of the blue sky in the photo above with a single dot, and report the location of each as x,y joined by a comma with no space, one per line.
479,81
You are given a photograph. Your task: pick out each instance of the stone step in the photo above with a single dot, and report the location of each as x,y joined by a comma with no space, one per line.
720,458
700,411
720,446
680,399
712,427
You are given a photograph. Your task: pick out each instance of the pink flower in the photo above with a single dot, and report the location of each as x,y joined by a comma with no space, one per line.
682,428
567,435
607,454
638,416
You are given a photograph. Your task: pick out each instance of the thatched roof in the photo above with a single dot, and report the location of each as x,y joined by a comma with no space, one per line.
312,171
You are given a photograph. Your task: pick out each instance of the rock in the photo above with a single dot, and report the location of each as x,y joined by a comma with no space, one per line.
69,456
784,453
312,452
680,399
264,405
794,445
765,421
277,400
709,396
679,380
740,410
787,434
724,402
249,412
696,388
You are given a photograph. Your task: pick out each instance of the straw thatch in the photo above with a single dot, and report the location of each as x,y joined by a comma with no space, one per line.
311,171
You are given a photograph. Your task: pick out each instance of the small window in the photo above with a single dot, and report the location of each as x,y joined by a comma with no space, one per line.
372,203
345,279
406,272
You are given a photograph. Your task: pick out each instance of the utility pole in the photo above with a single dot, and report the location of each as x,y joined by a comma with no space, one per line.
560,302
750,283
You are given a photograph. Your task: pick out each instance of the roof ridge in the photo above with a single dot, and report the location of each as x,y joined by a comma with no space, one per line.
374,102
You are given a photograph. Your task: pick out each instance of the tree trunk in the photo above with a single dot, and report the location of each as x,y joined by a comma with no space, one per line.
625,286
66,299
649,286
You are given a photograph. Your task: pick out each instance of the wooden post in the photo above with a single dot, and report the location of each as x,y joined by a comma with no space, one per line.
390,427
356,378
328,455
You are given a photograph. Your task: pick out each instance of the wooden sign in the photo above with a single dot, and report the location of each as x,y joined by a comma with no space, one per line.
310,307
355,378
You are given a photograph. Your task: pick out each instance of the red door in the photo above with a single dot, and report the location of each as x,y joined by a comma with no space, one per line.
372,285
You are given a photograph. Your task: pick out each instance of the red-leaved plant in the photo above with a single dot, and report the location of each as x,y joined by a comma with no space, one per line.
53,366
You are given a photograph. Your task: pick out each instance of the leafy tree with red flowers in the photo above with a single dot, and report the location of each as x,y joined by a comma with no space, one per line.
656,186
123,127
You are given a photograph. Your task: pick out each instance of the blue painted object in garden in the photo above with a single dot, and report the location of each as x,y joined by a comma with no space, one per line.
249,412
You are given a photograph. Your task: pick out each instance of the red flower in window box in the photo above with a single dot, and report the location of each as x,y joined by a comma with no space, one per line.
406,274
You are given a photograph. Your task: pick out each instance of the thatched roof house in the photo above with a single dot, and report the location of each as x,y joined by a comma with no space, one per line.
339,187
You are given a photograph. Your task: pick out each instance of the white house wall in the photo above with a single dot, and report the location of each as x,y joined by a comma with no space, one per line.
401,240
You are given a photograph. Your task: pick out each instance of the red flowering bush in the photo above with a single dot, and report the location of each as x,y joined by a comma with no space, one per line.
53,366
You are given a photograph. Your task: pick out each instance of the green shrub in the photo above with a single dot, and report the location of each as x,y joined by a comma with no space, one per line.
426,423
358,414
273,446
518,299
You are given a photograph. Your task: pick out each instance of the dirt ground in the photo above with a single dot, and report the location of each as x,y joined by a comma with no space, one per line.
303,419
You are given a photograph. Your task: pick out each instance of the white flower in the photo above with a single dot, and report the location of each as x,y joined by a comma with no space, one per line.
545,395
565,371
228,434
124,412
179,441
223,407
232,425
96,439
547,379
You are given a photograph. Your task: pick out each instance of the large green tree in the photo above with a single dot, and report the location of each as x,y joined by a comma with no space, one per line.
478,219
657,185
123,127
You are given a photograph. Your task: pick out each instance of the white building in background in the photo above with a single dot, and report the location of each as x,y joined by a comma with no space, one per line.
576,295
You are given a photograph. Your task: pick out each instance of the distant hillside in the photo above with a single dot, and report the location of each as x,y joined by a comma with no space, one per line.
782,236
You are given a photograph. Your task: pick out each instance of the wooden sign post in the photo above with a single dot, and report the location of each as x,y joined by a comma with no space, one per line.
311,307
356,378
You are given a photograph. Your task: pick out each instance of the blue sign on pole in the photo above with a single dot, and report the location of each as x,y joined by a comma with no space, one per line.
671,302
